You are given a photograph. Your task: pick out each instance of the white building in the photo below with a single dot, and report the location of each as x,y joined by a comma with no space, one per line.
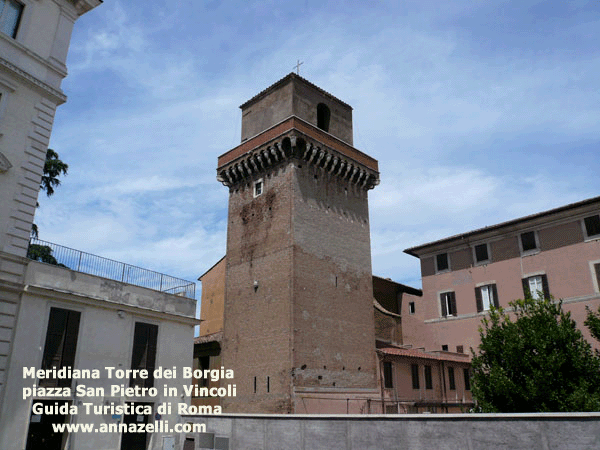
92,314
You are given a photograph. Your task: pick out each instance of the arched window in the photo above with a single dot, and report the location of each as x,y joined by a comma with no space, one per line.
323,115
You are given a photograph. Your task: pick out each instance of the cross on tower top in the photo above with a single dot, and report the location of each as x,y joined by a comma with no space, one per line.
297,66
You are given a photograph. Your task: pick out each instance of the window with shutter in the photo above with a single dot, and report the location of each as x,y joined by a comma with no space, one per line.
144,352
428,378
415,376
448,304
486,297
61,343
388,381
451,380
536,286
467,377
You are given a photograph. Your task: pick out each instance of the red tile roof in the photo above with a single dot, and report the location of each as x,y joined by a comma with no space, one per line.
416,353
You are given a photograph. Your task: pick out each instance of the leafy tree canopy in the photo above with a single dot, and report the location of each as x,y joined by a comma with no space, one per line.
539,362
593,322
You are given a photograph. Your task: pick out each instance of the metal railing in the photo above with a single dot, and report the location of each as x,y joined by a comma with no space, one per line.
108,268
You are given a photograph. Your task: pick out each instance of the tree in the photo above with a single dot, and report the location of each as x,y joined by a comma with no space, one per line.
53,168
593,322
538,363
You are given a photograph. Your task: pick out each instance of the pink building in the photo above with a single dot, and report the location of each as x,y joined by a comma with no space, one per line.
556,252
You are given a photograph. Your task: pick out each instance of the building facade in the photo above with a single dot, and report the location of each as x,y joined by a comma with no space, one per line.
293,308
556,252
85,313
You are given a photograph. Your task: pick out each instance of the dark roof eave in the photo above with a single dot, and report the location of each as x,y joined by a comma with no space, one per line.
414,251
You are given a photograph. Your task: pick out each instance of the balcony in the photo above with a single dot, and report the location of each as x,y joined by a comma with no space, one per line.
79,261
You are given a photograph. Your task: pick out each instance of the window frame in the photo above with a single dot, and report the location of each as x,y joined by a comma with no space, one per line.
67,355
412,308
414,372
451,379
448,303
258,185
15,30
148,382
428,377
527,285
388,375
586,235
479,298
435,259
488,260
467,378
595,272
532,251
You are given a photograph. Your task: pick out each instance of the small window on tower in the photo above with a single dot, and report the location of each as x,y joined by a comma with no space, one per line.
258,188
323,115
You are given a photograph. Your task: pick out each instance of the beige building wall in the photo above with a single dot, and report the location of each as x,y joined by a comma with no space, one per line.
32,66
213,298
109,311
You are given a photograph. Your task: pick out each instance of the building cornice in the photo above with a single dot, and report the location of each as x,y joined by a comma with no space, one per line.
295,138
52,64
99,302
56,95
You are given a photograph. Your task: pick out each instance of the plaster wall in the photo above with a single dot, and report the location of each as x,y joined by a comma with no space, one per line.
568,267
105,339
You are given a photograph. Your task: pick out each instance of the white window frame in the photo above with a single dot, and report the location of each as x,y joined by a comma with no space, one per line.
595,281
539,286
259,185
585,233
537,243
487,296
489,255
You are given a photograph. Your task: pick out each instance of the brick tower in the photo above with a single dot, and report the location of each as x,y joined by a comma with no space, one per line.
298,320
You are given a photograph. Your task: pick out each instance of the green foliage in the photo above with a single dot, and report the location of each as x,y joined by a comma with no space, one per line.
41,253
593,322
539,362
53,168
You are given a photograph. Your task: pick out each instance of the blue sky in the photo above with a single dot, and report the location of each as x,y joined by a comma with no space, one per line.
478,112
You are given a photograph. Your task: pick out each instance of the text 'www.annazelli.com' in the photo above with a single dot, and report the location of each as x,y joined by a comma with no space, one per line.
161,426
